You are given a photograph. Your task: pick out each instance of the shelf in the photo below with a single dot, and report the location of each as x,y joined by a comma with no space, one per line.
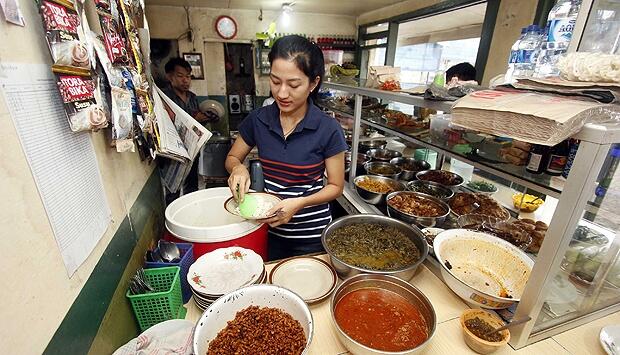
357,86
548,185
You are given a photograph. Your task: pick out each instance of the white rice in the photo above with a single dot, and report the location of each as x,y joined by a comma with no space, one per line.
261,210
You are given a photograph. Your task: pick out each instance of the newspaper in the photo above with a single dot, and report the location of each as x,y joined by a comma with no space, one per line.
180,138
601,92
529,116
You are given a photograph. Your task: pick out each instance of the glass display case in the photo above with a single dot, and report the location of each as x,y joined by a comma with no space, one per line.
576,272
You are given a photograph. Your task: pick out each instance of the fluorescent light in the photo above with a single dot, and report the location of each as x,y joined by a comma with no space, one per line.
286,13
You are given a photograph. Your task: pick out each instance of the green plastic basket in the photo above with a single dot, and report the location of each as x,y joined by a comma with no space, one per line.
164,304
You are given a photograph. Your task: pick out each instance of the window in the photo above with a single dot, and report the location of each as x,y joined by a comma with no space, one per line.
419,62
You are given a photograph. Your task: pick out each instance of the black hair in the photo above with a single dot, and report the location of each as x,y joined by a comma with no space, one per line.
177,62
307,56
464,71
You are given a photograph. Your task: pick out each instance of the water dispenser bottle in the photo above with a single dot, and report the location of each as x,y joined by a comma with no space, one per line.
256,176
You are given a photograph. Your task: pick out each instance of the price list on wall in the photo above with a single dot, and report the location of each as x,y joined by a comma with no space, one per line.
63,163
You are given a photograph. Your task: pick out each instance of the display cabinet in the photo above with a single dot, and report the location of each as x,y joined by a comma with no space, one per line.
576,274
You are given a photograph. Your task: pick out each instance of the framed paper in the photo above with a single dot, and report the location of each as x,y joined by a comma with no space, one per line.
195,60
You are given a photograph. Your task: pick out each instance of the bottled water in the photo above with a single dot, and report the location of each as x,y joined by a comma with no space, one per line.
528,52
560,26
514,57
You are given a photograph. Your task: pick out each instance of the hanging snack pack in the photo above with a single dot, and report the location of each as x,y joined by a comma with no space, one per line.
132,13
122,118
61,23
115,43
77,90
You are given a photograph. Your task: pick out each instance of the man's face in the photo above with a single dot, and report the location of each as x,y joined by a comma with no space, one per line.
180,78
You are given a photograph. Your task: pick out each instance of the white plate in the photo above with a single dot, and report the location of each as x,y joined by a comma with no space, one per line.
311,278
610,339
265,199
225,270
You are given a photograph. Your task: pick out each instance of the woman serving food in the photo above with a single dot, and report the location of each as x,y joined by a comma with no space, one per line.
296,144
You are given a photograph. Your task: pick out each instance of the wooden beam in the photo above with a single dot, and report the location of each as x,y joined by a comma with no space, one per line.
444,6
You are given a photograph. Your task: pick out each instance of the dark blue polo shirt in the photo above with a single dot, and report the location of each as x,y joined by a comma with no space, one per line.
294,166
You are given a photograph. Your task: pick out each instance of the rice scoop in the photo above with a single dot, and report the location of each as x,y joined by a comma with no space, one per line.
248,206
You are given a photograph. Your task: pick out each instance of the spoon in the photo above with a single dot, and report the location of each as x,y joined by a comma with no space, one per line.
169,251
514,322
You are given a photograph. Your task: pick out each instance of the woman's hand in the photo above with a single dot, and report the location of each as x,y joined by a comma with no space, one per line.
239,182
285,210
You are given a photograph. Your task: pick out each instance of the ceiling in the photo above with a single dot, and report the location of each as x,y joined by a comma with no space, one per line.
336,7
462,18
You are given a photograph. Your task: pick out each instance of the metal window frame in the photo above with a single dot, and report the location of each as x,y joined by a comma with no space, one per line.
486,36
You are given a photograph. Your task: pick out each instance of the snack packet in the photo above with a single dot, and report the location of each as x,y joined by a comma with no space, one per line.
77,90
61,23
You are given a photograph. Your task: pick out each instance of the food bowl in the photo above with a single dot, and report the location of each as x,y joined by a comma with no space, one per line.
374,144
431,188
481,187
474,221
530,203
410,167
224,309
420,219
345,270
477,344
361,160
383,169
510,232
384,283
442,177
373,197
483,270
383,154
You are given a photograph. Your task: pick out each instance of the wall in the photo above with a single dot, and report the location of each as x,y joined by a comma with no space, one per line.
36,292
170,22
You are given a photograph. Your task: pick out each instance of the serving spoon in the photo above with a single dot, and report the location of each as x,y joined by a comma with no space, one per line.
514,322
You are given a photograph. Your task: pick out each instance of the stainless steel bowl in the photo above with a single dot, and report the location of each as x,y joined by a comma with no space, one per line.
420,220
376,198
389,283
374,144
346,270
361,160
431,188
425,175
383,154
373,165
408,174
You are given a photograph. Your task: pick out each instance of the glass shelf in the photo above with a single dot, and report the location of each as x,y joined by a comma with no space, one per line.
483,156
357,86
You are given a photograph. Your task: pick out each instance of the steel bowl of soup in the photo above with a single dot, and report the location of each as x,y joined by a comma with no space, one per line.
382,314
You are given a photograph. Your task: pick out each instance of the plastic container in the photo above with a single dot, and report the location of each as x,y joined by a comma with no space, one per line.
200,218
187,259
163,305
461,168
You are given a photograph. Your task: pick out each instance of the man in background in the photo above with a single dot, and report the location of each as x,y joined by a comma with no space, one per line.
179,75
462,71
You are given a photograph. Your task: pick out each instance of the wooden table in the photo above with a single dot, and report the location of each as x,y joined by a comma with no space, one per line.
448,337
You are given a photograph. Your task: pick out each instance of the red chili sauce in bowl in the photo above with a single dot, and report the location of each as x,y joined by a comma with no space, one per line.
381,319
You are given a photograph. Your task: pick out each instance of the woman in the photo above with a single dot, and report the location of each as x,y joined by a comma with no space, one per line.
296,143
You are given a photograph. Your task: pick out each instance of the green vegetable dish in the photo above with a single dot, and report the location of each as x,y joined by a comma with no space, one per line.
373,247
482,186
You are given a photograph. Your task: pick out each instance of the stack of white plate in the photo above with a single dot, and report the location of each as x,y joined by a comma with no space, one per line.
222,271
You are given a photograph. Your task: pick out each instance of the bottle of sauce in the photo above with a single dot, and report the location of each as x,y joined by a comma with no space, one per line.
537,159
558,158
572,152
